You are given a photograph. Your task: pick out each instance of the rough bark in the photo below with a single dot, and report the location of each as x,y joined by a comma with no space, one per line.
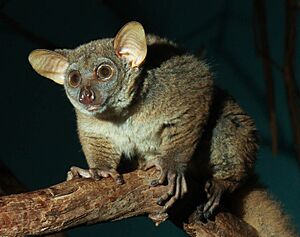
9,184
80,201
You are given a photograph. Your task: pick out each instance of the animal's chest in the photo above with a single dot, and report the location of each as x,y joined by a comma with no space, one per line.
130,138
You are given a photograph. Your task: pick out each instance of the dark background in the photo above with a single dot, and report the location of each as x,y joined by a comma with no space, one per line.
39,140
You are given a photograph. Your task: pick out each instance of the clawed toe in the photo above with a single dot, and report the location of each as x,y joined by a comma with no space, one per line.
94,173
177,188
76,172
212,204
112,173
214,192
174,176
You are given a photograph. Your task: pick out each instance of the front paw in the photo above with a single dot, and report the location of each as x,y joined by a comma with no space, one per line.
175,176
95,173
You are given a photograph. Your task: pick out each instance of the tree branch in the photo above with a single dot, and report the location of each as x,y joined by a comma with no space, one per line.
291,89
262,48
82,201
9,184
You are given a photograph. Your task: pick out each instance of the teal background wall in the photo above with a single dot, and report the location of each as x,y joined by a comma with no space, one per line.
38,130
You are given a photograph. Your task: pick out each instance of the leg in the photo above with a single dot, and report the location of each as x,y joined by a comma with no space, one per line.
233,153
179,140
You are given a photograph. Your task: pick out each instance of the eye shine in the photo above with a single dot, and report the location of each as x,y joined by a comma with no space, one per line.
74,78
104,72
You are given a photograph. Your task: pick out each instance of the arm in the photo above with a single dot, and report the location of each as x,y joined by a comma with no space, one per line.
102,158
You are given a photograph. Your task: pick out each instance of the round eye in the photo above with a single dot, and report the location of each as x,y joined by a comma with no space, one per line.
105,72
74,79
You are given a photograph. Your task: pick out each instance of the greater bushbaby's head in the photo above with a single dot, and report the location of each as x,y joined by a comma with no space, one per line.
98,76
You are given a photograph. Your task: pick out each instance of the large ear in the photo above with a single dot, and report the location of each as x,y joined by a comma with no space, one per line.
49,64
130,43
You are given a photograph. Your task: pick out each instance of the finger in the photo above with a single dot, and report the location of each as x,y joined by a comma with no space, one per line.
113,173
184,188
95,174
177,194
70,175
208,186
80,172
178,186
160,180
171,190
213,207
171,183
117,177
209,203
163,175
103,173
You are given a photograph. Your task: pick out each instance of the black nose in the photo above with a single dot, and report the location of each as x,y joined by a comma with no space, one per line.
86,96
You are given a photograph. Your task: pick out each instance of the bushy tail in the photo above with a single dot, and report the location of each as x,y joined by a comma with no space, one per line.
254,205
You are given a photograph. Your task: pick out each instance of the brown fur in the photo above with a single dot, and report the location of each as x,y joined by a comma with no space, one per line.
255,205
166,113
